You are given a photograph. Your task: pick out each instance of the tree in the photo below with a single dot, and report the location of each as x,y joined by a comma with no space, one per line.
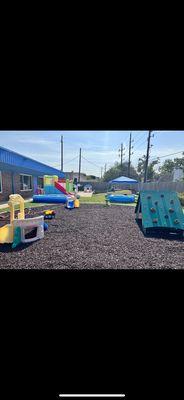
116,171
91,177
179,162
167,167
151,171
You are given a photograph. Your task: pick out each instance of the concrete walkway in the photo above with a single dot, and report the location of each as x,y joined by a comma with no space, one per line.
84,194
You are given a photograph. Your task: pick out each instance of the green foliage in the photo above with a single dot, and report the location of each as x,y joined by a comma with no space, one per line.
151,171
179,162
169,165
166,168
116,171
90,177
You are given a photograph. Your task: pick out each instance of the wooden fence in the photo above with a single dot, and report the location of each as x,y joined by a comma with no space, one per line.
102,187
176,186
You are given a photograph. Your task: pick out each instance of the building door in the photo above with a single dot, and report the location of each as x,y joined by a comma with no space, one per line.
35,185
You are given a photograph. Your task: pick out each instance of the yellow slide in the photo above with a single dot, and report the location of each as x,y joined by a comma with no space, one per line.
6,234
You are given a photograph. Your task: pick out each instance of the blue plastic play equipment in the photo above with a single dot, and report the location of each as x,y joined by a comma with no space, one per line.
120,198
45,226
70,203
50,198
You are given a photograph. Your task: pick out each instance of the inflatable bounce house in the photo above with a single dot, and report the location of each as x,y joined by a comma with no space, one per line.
57,190
21,230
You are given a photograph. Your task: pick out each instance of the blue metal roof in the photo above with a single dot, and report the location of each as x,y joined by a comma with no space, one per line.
9,160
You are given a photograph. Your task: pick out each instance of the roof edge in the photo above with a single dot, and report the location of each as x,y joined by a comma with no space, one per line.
29,158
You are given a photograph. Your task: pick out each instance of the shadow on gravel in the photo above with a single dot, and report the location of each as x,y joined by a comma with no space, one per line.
160,234
6,248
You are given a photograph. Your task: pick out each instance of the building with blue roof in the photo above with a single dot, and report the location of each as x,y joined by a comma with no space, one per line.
22,175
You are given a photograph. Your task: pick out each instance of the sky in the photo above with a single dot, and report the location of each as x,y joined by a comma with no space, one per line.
97,147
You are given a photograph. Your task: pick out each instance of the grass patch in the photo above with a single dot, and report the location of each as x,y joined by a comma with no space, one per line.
95,198
100,199
27,204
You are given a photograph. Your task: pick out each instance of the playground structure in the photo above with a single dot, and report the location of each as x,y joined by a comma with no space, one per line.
51,198
55,190
88,188
19,229
55,185
58,190
161,211
70,203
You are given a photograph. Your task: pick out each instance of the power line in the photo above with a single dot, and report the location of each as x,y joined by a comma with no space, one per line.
140,144
65,162
167,155
139,139
126,140
71,160
98,166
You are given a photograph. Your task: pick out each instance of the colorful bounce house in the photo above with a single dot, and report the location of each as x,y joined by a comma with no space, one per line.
57,190
21,229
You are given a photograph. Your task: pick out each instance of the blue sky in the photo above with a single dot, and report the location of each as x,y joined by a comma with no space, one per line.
98,147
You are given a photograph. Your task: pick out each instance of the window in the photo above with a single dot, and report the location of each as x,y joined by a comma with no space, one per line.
40,182
26,182
1,188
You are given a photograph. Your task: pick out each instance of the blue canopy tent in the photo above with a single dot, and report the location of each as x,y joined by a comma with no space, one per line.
122,198
123,179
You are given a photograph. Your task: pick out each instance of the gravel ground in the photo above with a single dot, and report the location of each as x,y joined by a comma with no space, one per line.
95,237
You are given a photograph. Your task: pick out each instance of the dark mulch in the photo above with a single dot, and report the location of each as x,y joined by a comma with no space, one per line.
94,236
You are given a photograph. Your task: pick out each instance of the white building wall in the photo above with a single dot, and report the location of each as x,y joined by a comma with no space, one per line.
178,175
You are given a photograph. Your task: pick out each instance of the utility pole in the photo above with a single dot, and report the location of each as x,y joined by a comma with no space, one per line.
130,153
147,156
62,153
101,172
121,150
79,164
105,168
